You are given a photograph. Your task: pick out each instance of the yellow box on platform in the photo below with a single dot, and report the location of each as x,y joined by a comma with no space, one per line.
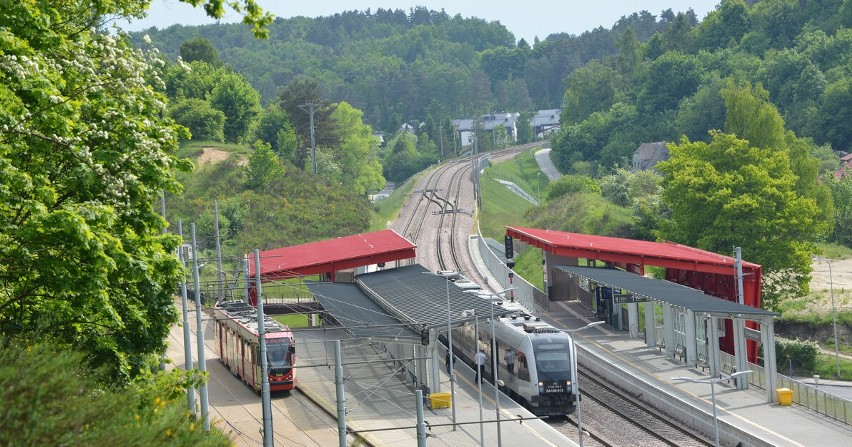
785,396
439,400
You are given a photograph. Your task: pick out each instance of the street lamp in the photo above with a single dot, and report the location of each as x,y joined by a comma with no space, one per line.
577,379
712,383
494,366
833,314
538,187
446,276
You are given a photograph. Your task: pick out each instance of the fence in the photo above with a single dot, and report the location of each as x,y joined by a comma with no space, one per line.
809,396
525,293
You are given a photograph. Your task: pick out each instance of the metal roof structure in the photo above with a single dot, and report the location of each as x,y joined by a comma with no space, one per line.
333,255
664,254
359,314
669,292
711,272
418,297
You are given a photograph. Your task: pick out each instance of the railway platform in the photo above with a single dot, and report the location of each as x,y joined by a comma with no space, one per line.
381,401
743,416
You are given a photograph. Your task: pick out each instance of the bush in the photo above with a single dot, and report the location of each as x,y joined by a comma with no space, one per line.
49,399
801,354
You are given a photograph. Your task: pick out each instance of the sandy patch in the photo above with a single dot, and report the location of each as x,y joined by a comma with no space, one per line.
212,155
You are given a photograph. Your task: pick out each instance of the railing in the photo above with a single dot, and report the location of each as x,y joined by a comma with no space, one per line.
809,396
525,293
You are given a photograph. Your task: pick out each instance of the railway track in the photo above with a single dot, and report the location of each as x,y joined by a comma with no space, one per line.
612,418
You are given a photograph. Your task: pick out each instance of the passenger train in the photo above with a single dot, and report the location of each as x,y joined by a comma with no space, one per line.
544,378
238,345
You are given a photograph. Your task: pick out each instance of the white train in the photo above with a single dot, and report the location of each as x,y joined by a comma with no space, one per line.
545,372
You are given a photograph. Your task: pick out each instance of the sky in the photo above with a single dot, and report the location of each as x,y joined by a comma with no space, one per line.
524,18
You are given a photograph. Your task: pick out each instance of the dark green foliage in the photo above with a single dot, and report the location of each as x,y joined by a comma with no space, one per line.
801,354
199,49
203,121
570,184
50,398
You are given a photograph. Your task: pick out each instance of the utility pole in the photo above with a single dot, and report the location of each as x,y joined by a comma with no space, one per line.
220,295
311,109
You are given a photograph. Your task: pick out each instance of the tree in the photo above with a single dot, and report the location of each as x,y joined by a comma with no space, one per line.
240,103
263,167
731,193
203,121
841,194
60,401
199,49
357,154
589,89
274,127
300,92
670,78
85,150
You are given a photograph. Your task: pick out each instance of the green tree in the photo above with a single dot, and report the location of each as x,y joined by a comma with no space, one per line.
240,103
730,193
51,398
299,93
199,49
841,194
835,115
357,153
85,151
203,121
670,78
274,127
589,89
263,167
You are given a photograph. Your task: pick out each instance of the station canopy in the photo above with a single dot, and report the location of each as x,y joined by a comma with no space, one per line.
674,294
360,315
419,297
401,304
333,255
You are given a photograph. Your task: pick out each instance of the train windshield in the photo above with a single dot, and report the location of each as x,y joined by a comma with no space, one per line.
552,360
277,353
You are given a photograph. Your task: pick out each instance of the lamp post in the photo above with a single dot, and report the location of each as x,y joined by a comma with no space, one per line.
833,316
712,383
450,343
577,379
538,187
494,367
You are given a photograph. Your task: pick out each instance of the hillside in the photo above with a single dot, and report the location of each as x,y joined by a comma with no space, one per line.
293,209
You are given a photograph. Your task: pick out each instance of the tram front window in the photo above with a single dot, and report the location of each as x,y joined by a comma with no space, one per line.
276,354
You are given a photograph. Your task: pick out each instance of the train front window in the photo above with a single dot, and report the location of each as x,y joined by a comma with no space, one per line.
552,359
277,353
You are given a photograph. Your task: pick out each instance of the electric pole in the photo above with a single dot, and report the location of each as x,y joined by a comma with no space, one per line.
311,108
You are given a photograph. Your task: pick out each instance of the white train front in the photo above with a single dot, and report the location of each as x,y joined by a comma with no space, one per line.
544,378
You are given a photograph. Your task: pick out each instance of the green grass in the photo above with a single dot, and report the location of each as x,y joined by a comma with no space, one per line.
292,320
834,251
387,210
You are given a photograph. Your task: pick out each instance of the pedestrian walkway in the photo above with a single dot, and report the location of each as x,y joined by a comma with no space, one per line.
744,415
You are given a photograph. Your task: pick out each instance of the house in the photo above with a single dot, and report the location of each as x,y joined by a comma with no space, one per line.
649,154
845,166
464,127
545,122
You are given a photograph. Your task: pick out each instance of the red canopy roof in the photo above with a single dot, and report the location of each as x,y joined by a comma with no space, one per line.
333,255
627,251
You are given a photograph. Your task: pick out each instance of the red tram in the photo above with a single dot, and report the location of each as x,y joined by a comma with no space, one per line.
238,345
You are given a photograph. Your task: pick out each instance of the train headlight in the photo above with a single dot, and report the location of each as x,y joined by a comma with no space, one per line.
567,383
